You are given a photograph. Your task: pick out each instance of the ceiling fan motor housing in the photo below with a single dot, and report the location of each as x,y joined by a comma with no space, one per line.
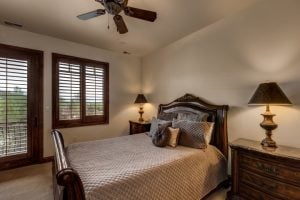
114,7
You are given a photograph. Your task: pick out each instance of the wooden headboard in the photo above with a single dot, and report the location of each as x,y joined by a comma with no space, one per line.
217,114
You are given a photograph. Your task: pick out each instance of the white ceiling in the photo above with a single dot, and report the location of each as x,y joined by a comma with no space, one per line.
176,19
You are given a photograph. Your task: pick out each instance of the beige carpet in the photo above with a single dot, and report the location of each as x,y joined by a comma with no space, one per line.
35,183
32,182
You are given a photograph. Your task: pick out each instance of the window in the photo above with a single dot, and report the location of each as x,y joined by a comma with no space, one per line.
80,92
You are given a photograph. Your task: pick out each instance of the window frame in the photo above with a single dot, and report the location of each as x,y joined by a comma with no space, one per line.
84,120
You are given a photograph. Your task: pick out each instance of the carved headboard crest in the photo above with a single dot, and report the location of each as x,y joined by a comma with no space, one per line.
188,98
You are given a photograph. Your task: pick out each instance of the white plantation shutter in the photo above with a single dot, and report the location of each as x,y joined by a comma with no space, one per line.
80,92
94,91
69,91
13,106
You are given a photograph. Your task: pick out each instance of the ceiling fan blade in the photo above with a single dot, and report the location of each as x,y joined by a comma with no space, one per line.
140,13
121,26
91,14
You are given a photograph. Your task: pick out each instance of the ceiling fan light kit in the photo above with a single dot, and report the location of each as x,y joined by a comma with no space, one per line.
115,7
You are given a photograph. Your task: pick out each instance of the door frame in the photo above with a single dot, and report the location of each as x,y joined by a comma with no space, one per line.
36,124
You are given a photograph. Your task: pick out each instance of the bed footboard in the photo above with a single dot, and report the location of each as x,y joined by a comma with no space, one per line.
67,184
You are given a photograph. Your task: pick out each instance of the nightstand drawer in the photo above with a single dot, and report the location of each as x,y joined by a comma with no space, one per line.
250,193
267,185
139,127
268,167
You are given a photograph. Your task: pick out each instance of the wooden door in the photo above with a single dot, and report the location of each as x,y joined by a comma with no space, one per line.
21,105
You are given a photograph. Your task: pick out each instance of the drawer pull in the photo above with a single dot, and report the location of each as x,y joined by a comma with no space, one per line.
267,169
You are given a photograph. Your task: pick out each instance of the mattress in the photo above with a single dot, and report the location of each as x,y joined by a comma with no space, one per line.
132,168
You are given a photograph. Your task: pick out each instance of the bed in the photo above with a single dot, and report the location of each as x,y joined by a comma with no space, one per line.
131,167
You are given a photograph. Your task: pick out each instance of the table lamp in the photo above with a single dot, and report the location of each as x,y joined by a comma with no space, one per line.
269,94
141,99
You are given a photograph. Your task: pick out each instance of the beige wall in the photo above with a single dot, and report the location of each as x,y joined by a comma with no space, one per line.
124,84
225,62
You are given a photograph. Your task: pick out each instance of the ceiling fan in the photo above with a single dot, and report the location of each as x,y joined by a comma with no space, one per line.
115,7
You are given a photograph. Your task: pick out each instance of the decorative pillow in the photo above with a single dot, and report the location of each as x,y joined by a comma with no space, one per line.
201,117
192,134
173,136
208,134
167,116
161,137
154,125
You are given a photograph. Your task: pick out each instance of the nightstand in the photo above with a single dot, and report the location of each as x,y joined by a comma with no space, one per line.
264,174
139,127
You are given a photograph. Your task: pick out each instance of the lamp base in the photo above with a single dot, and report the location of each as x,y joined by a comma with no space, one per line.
268,142
269,125
141,120
141,112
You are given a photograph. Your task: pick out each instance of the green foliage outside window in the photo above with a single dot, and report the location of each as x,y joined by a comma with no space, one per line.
13,106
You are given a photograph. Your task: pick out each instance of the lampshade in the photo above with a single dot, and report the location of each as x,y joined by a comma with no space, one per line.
140,99
269,93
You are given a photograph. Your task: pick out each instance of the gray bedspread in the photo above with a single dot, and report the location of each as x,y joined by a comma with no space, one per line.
132,168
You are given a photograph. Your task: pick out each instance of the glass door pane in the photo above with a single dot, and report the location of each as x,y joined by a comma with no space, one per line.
13,107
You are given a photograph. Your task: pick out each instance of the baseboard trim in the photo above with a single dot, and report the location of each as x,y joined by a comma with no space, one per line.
24,163
47,159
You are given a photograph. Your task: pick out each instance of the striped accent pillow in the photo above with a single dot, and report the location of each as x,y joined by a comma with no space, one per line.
167,116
